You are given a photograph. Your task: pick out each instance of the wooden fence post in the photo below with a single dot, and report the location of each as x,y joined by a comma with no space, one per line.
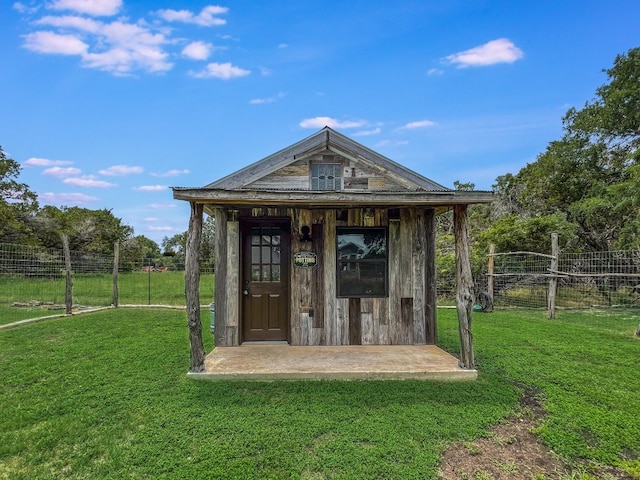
116,262
553,279
490,270
192,287
68,292
464,280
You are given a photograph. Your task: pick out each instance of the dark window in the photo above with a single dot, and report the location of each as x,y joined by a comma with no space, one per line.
326,176
362,262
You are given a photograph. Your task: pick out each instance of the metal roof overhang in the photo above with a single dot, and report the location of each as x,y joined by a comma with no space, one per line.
329,199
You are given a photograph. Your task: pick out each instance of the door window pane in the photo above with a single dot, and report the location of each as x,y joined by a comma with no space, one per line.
265,254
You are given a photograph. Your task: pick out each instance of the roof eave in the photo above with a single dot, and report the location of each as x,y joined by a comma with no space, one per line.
330,198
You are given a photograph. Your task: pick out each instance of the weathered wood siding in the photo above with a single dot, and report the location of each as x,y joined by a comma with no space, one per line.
355,175
406,316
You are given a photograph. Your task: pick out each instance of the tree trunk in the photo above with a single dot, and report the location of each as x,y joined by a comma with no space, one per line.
464,280
192,288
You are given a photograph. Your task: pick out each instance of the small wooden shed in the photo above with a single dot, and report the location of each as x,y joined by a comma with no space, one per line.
326,242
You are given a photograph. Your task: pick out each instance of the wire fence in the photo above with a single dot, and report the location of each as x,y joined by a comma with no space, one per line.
582,280
33,281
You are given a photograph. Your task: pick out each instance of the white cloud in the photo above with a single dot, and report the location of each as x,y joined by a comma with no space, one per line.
54,43
131,46
71,21
151,188
283,45
88,181
22,8
120,46
120,170
162,206
44,162
320,122
501,50
117,47
197,50
171,173
365,133
151,219
434,71
418,124
391,143
90,7
61,172
220,70
121,61
50,198
152,228
206,18
275,98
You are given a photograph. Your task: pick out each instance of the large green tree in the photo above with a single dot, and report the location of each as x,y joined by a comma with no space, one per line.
176,245
586,185
139,250
92,231
17,202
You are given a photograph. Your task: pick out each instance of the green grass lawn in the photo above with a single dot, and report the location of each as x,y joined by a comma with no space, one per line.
134,288
105,395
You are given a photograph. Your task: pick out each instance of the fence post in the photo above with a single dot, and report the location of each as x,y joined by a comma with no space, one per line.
68,291
116,262
490,268
553,279
149,283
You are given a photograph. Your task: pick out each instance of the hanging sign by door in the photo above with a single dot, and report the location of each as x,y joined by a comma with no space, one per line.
305,259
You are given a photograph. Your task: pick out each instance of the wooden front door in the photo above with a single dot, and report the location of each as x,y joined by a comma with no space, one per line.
265,279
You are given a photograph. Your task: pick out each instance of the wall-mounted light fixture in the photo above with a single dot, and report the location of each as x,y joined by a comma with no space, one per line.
305,232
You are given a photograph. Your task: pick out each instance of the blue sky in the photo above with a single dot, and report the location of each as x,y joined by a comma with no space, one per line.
109,103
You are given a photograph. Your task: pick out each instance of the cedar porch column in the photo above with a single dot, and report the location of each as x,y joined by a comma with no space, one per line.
192,288
430,294
464,280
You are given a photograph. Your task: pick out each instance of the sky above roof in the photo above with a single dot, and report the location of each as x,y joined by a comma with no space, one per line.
109,103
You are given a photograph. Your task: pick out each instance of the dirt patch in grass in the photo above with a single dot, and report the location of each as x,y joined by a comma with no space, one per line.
511,451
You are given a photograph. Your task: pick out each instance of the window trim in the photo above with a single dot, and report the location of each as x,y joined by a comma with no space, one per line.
345,230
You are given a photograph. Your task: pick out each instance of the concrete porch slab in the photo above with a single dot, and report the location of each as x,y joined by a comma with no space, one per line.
354,362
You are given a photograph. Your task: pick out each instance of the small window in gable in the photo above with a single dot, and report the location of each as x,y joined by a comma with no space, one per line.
326,176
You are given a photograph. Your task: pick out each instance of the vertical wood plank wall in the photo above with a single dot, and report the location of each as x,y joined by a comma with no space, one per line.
220,278
318,317
233,281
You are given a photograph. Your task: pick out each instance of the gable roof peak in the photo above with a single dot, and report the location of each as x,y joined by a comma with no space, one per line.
325,138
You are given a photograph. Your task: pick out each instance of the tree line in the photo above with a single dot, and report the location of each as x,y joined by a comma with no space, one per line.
25,222
585,186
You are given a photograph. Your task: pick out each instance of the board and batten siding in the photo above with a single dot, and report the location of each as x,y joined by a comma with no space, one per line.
318,317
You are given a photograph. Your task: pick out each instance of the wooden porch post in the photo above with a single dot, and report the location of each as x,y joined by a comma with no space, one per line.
192,287
464,280
431,294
